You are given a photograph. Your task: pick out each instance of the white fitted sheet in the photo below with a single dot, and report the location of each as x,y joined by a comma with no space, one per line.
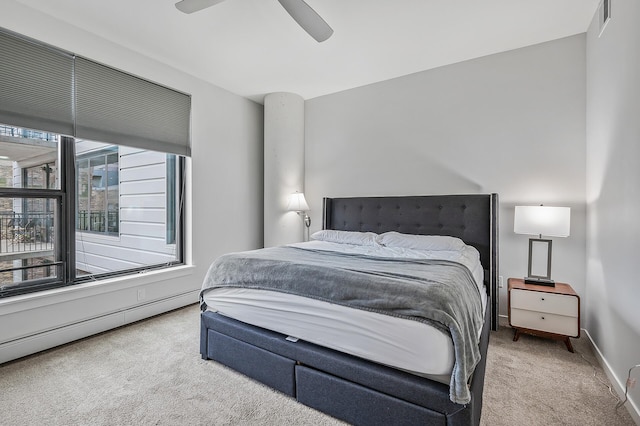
408,345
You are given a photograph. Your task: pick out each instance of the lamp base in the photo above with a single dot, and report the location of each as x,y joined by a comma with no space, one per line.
540,281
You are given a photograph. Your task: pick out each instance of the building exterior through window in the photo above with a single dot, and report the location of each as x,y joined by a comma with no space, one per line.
125,213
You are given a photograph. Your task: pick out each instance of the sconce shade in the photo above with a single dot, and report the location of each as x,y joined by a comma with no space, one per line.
542,220
297,203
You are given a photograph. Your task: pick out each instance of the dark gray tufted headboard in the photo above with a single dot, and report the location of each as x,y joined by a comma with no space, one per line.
472,218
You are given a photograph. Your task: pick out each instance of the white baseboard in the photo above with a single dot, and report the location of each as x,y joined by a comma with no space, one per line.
46,340
617,385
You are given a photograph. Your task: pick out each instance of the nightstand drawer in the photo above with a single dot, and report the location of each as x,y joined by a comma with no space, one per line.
559,304
551,323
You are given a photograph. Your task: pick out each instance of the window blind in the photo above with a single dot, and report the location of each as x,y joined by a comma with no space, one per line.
36,85
45,88
116,107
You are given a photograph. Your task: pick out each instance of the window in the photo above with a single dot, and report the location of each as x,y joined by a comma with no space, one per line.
29,208
122,212
91,169
97,191
126,215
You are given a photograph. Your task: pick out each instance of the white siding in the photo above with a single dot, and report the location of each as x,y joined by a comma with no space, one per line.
147,186
142,201
142,172
142,229
134,214
142,218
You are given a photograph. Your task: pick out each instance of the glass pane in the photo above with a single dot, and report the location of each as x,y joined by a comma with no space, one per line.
172,191
28,158
82,195
97,188
113,194
27,240
98,194
42,176
123,202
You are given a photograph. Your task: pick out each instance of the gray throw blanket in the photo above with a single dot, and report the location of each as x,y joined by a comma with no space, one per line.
438,292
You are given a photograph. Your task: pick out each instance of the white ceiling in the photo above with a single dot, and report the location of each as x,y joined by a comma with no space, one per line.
253,47
27,152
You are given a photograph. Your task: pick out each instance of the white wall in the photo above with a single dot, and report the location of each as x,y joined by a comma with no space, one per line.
613,191
223,201
283,166
511,123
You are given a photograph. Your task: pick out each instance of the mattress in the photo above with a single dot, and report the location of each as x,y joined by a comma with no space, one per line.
412,346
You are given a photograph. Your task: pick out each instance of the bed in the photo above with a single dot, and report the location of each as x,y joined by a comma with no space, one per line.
361,388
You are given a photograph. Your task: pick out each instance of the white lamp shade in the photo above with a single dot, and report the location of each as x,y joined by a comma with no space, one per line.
542,220
297,203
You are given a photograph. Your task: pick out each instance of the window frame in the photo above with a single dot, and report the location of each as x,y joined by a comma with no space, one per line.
65,226
60,242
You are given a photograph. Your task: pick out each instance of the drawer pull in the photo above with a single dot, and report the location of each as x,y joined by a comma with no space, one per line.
542,298
542,317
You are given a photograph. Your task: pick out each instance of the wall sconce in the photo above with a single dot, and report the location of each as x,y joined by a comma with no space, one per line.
298,204
541,220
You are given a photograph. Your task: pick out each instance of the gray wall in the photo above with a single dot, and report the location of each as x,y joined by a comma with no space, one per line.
511,123
613,190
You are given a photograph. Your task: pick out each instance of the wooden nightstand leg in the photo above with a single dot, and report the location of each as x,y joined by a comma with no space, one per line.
569,346
516,335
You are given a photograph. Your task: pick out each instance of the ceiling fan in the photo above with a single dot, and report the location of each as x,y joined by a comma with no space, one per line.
300,11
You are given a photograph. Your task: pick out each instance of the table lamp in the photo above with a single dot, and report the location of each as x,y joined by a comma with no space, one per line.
541,220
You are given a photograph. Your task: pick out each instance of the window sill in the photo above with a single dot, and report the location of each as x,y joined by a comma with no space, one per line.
78,291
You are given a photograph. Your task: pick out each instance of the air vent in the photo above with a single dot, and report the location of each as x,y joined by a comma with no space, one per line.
604,14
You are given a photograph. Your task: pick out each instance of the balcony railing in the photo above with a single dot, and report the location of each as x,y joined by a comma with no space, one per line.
98,221
19,132
26,232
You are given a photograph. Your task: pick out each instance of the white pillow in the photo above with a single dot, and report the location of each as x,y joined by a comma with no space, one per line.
420,242
346,237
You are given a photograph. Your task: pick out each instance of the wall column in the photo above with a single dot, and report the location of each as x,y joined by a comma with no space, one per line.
283,166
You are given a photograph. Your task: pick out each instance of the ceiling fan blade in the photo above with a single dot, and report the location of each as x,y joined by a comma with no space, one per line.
308,19
190,6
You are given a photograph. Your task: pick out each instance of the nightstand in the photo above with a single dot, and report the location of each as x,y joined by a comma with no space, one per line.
552,312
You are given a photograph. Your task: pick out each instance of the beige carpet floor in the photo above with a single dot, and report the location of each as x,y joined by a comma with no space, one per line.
537,381
150,373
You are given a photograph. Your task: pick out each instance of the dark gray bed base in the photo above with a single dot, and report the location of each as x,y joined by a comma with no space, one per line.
347,387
